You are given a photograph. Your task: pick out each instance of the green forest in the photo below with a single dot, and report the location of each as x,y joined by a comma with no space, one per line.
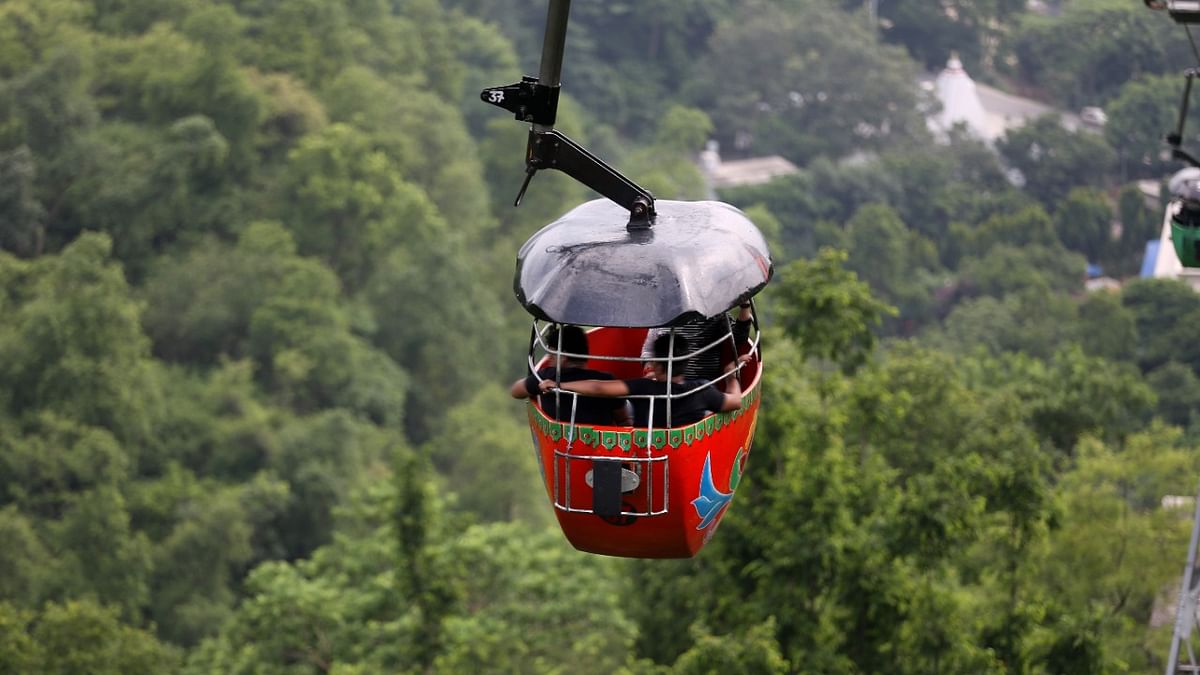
258,329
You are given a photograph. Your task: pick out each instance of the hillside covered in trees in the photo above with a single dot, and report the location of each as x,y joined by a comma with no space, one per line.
258,327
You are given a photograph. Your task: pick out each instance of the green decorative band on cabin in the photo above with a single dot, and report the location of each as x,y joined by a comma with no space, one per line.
609,440
625,441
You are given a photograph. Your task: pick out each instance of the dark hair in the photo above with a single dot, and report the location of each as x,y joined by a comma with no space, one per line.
574,341
662,350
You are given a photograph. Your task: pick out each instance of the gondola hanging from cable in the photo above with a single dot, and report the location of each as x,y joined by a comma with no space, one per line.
1182,217
627,265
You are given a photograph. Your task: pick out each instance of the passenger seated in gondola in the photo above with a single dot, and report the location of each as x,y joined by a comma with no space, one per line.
569,366
701,332
704,399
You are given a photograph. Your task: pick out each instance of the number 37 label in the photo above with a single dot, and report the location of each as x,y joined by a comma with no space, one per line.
496,96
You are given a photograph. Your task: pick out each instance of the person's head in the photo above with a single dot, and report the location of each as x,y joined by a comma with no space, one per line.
574,341
662,350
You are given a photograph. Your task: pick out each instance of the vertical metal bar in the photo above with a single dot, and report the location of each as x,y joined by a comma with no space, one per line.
650,457
755,345
558,374
668,421
651,476
553,44
1183,109
649,469
1182,621
571,433
557,494
666,486
533,340
567,478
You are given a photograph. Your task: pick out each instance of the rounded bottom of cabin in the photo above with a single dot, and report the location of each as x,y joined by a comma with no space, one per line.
641,493
630,536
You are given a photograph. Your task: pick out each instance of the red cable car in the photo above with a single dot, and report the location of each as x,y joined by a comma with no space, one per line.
643,491
626,266
616,494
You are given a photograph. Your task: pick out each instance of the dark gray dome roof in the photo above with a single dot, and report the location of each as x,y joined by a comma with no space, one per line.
699,258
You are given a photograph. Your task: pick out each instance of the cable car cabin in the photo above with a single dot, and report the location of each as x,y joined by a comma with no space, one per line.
629,263
1183,214
642,491
645,490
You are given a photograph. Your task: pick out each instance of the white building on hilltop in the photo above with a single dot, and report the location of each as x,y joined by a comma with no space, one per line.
960,104
987,112
753,171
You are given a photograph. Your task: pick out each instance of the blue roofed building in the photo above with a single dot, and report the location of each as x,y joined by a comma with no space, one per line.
1150,259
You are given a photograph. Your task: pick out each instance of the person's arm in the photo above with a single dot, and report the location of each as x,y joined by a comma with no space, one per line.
603,388
522,387
733,386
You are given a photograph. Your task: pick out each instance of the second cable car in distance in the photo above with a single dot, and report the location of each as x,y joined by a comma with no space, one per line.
1181,226
625,265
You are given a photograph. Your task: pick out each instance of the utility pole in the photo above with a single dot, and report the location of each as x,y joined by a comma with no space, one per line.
1185,614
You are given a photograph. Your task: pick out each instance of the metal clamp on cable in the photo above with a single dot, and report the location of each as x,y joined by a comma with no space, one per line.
535,100
529,100
553,150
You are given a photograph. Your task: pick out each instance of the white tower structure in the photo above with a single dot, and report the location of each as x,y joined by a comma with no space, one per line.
960,103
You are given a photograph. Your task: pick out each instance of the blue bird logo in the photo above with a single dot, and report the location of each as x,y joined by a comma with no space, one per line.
711,500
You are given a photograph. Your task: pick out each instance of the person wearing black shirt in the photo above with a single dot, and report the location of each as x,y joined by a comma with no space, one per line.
705,365
703,399
570,366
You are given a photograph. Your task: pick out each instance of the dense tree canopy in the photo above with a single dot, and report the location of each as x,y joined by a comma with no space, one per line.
255,273
841,91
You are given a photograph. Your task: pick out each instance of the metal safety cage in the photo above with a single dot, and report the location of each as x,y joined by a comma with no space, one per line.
538,341
542,328
649,470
